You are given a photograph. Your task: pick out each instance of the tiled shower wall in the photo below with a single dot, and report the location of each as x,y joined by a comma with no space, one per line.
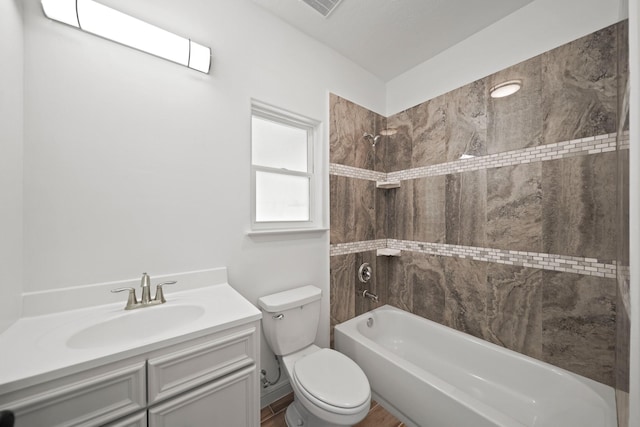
516,246
623,325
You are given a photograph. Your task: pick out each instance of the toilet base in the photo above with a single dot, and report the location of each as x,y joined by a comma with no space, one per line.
298,416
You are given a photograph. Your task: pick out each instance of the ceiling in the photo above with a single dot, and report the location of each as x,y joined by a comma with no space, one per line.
389,37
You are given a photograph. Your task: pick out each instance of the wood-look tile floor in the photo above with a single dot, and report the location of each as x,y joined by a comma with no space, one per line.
273,415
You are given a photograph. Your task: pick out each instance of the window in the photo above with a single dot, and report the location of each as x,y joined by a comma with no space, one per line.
282,169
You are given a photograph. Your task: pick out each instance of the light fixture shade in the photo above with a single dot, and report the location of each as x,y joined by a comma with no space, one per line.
388,131
62,11
111,24
199,57
505,89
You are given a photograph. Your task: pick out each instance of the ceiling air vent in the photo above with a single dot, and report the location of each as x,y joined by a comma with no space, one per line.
324,7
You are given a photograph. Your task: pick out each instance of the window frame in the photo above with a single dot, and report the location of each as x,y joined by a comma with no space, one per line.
278,115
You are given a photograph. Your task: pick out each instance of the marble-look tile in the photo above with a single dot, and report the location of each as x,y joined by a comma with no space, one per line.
381,272
352,208
384,206
399,289
623,206
467,120
342,289
623,74
398,147
515,121
348,122
514,207
622,344
466,208
579,87
342,209
623,324
578,324
579,206
401,217
623,190
429,222
514,308
379,152
431,131
364,199
426,274
467,296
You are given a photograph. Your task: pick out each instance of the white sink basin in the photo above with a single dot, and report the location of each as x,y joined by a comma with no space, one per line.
134,325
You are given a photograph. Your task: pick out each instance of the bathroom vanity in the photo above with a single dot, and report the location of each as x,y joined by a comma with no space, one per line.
191,361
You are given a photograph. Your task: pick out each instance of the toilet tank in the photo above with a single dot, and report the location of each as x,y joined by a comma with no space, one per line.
290,318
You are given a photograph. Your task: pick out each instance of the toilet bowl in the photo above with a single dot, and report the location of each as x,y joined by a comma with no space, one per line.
329,388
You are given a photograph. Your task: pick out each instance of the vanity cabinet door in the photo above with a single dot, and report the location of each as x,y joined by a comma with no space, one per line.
230,402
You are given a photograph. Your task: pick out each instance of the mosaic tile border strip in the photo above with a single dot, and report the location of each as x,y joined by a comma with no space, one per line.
563,263
356,247
558,150
353,172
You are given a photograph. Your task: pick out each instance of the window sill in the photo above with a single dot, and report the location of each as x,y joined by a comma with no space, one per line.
286,231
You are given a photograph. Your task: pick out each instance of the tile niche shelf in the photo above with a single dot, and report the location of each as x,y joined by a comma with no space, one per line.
388,252
388,184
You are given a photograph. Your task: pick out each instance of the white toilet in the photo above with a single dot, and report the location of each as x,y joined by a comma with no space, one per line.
329,388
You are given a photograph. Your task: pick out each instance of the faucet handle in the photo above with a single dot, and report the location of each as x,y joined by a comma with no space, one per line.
159,293
132,301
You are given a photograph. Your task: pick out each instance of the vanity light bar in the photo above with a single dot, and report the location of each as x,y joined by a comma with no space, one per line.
111,24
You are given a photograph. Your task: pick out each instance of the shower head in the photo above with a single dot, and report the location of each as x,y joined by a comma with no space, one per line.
372,139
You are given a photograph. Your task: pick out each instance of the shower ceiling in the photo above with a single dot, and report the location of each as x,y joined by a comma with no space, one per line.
389,37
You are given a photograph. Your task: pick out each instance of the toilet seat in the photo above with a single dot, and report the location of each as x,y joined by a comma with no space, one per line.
332,381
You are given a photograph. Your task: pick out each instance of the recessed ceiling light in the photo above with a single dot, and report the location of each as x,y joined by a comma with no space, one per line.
505,89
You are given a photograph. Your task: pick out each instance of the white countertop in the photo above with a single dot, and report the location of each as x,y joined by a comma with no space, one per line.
35,349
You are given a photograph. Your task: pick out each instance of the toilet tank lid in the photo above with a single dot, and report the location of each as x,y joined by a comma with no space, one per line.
289,299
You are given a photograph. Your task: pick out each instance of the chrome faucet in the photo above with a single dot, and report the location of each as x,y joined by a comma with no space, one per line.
145,284
145,300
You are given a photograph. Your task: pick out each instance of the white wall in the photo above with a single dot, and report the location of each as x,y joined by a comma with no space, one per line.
133,163
536,28
11,47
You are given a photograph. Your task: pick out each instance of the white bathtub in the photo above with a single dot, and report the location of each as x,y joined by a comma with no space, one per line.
430,375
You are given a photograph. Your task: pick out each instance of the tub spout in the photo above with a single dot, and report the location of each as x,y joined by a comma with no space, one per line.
370,295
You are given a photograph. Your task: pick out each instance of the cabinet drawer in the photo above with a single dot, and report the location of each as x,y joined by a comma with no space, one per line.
192,366
88,402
